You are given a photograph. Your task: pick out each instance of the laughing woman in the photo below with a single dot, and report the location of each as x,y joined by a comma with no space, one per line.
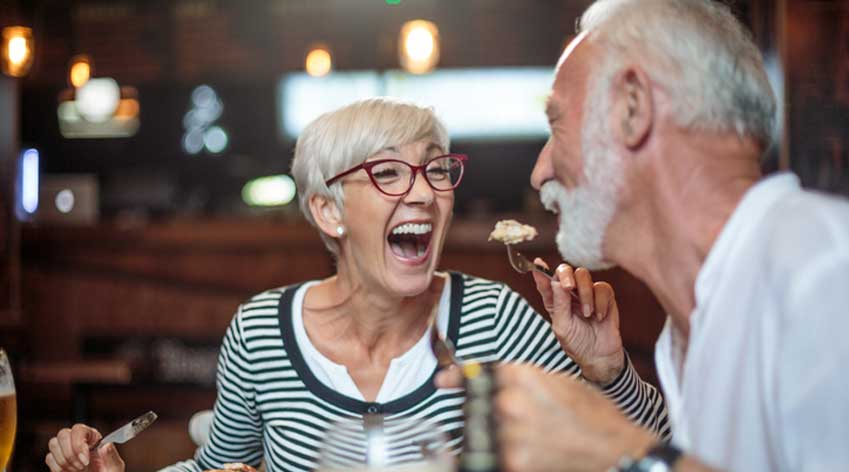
377,180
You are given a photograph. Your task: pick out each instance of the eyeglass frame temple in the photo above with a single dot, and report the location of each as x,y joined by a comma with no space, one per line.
462,157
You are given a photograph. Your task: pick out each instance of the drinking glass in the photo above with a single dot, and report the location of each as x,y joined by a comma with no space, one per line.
8,411
390,444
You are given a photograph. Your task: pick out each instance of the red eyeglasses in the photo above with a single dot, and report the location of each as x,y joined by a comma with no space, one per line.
395,178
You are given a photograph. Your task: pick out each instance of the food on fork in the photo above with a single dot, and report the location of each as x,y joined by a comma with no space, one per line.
234,467
512,232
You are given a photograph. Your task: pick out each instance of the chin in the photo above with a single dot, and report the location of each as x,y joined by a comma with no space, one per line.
411,285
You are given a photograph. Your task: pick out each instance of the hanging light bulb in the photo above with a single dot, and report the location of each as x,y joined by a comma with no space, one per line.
80,70
419,46
319,61
18,50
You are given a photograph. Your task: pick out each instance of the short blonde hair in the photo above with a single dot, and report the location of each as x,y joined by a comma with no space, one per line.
344,138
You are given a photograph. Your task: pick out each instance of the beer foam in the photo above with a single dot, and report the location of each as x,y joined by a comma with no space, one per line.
7,389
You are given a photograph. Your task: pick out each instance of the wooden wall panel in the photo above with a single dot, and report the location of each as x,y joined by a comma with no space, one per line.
187,279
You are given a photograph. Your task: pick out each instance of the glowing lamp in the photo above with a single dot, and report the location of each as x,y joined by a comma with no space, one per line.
98,99
419,46
319,62
18,49
80,70
273,190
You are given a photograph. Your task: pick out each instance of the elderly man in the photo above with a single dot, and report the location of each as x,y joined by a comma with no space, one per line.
659,113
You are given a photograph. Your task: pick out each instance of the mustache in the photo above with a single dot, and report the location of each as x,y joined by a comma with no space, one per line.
550,193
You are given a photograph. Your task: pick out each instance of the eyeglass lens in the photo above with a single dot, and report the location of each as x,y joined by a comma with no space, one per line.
393,177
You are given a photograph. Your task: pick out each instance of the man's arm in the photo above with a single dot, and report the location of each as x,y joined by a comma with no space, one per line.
555,423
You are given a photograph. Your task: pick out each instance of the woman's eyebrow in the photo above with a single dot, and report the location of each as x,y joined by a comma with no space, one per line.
434,146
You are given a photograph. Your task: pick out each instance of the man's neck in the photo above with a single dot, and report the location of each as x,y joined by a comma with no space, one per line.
692,188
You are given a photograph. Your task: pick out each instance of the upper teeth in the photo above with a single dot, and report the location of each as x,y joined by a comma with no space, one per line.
410,228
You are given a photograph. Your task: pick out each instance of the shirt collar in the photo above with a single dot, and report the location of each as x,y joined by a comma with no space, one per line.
755,202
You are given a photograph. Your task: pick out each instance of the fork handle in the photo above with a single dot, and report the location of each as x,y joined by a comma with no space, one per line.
542,269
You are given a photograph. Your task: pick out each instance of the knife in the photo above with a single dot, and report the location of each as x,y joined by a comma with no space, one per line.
128,431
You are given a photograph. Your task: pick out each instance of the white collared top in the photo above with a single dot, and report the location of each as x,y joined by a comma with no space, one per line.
762,382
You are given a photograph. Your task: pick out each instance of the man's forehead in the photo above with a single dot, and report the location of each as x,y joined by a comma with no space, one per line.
561,78
570,49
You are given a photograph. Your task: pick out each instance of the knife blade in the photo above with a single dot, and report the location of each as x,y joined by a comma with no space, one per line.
128,431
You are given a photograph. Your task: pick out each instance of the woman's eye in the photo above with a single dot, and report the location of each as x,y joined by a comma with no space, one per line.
385,174
438,173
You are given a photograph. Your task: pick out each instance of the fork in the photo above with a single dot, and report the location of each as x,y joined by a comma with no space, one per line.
442,348
523,265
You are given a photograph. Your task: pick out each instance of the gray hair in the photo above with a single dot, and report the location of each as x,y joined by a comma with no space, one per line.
344,138
699,52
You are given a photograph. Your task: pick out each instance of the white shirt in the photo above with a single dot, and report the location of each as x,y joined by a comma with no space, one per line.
763,384
406,372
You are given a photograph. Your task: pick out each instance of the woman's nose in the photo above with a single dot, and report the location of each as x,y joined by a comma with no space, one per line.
420,191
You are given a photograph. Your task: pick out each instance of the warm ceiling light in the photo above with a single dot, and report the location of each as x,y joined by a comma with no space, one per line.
80,71
17,50
319,62
419,46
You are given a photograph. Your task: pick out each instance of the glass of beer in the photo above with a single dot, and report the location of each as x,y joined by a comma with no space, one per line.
8,411
399,444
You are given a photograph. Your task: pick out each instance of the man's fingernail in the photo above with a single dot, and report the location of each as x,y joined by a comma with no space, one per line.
83,458
588,311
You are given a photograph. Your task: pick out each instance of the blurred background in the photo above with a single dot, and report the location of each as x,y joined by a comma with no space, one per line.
145,147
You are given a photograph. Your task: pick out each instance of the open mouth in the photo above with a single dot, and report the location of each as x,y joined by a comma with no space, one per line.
410,240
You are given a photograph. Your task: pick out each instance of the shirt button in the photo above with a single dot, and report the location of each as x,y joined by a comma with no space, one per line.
373,409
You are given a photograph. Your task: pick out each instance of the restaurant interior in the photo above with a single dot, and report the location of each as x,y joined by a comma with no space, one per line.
145,151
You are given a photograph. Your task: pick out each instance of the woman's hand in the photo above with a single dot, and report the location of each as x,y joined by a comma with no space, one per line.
69,450
587,326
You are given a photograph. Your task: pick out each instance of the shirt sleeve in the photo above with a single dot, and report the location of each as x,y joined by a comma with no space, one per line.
812,385
525,336
236,432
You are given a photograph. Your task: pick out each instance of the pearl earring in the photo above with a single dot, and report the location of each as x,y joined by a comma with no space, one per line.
340,230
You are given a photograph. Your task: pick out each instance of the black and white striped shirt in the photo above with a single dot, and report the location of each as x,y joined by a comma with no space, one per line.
271,406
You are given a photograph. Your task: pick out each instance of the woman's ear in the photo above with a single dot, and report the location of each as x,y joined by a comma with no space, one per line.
327,215
632,113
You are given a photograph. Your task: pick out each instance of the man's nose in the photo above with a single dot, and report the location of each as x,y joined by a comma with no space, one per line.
543,170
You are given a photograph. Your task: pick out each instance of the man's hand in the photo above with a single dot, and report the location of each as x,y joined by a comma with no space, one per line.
551,422
69,451
586,326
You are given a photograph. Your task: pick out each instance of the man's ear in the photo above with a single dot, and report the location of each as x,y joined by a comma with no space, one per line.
632,116
326,214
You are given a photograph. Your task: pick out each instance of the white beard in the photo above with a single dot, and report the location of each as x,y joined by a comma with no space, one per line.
585,211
